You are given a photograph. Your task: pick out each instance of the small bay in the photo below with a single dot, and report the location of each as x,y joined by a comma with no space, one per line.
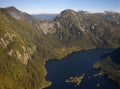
75,65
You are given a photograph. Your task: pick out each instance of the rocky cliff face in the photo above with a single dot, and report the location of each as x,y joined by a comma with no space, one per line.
47,27
15,47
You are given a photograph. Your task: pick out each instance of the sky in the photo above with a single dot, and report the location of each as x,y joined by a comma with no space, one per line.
56,6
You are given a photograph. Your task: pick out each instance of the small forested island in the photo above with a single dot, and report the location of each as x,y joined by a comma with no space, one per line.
76,80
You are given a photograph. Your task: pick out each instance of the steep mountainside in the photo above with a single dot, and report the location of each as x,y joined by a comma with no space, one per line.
25,45
99,30
18,67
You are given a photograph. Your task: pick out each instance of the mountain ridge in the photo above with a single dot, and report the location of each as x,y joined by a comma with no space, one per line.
17,14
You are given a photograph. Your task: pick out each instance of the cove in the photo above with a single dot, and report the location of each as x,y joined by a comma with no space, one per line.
75,65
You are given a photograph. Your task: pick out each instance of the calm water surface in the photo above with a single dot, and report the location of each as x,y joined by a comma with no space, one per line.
76,64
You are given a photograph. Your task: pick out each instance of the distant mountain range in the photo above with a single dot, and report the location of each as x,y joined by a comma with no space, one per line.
26,43
44,16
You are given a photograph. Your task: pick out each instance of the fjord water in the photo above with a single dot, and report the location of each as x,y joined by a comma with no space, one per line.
74,65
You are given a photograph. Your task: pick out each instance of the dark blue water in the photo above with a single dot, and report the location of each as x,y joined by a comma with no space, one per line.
76,64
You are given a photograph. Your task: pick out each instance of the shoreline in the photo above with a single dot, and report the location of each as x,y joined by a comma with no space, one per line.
68,54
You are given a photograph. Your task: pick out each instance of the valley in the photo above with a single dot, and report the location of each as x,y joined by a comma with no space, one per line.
26,43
